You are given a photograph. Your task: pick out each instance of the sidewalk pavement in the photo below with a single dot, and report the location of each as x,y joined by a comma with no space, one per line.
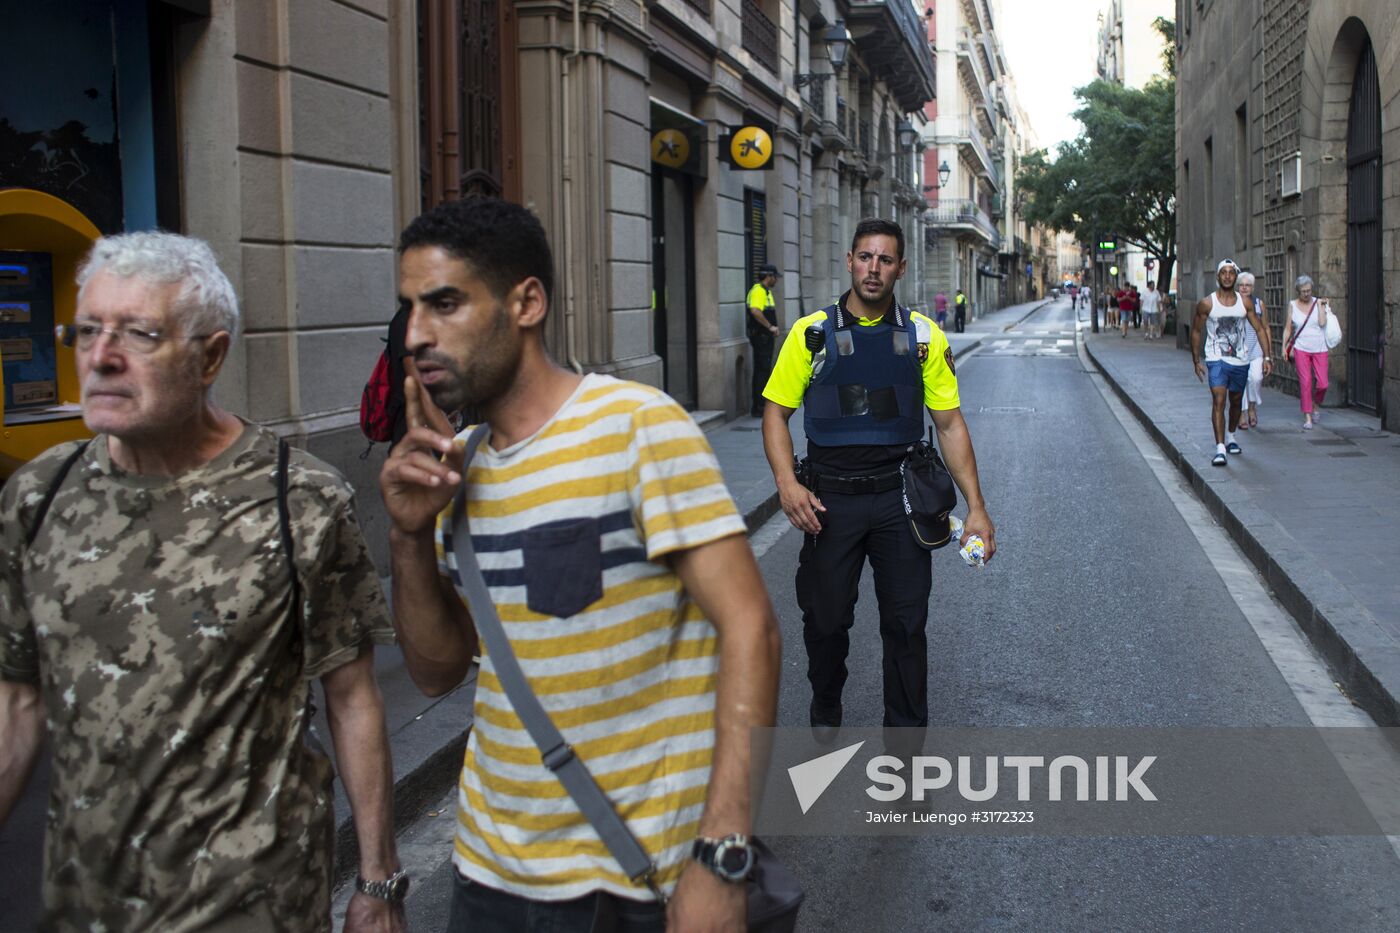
1318,513
427,736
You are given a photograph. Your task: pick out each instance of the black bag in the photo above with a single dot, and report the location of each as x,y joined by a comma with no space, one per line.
929,494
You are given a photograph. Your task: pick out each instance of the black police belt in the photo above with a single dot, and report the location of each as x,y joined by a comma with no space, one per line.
847,485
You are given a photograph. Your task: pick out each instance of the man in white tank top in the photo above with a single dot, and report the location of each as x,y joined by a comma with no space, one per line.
1221,318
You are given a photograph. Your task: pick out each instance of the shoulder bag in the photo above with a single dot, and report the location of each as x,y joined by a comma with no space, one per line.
774,895
1332,330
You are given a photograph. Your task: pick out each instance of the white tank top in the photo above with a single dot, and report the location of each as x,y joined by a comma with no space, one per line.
1225,332
1311,339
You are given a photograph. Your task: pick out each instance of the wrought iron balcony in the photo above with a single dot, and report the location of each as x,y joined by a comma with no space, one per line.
893,42
966,214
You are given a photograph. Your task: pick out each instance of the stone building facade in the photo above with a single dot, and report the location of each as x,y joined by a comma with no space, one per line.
974,135
299,136
1288,161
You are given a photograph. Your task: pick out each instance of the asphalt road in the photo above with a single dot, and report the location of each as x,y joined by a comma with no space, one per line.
1101,609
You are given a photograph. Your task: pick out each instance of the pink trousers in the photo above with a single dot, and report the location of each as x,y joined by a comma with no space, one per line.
1312,378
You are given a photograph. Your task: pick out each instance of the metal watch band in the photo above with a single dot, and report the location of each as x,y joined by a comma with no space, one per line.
392,889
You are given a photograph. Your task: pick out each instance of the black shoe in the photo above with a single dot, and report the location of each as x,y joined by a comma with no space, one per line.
1217,460
825,721
1233,448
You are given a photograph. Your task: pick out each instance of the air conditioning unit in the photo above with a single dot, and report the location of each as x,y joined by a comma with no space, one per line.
1291,175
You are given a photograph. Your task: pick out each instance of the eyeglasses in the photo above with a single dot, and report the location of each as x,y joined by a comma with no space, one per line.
126,337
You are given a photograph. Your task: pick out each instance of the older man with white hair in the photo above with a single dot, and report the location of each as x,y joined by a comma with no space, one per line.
168,591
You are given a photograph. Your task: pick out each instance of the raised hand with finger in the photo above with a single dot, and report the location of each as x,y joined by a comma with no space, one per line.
422,473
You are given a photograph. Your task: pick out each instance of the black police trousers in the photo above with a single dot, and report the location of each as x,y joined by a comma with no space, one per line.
762,342
855,527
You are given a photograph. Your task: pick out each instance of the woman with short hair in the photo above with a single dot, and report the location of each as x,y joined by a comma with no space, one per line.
1305,335
1255,354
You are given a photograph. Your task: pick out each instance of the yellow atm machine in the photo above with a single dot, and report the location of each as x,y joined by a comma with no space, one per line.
42,241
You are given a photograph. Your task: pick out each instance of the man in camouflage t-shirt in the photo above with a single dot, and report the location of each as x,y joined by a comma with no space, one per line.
153,626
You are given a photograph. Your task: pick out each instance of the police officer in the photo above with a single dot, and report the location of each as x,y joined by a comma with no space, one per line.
959,311
762,327
863,390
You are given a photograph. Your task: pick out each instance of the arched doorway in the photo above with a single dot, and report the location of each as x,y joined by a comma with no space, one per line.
1365,298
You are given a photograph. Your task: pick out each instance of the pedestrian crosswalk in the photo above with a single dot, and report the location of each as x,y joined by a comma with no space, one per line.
1055,343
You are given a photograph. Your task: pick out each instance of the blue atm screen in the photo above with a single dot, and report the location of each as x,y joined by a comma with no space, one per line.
26,330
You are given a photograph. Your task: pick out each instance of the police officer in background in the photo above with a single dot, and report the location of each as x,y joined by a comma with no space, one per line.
762,327
863,391
959,311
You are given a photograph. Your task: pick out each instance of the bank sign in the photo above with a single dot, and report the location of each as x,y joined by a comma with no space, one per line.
748,147
677,140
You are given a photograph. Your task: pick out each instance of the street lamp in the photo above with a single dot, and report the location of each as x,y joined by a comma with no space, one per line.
943,172
907,135
837,43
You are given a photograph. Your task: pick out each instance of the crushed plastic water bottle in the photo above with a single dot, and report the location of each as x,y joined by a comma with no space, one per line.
974,552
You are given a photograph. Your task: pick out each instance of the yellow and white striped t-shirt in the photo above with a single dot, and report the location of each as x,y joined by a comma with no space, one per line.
571,527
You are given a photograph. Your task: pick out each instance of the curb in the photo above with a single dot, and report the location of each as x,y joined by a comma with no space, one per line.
1027,316
1339,627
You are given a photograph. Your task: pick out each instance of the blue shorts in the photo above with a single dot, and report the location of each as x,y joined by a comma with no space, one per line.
1229,375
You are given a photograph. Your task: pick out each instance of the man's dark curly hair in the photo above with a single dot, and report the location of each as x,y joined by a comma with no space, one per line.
872,226
501,242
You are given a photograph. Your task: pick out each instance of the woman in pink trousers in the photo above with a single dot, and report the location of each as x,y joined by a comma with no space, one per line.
1306,335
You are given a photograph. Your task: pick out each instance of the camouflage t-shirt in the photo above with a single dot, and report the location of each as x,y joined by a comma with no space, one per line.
155,615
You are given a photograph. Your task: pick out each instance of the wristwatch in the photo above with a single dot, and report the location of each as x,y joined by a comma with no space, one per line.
392,889
730,858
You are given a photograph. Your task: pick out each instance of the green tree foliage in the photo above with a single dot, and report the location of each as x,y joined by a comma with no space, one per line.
1118,178
1166,28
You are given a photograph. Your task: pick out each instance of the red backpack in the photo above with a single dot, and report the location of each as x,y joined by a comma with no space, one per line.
382,418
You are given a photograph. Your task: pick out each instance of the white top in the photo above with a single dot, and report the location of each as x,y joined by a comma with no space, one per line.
1151,301
1312,338
1225,332
1251,339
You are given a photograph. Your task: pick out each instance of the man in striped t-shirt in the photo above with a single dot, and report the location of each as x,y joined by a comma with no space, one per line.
618,564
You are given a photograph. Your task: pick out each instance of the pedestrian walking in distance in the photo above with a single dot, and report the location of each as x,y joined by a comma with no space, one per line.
940,310
863,392
1305,340
171,588
959,311
761,325
1217,330
1152,312
1256,353
624,584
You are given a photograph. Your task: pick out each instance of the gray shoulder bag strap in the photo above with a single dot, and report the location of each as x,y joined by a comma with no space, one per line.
558,756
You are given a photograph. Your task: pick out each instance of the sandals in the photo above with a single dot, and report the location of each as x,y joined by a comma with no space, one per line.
1233,448
1217,460
1253,418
